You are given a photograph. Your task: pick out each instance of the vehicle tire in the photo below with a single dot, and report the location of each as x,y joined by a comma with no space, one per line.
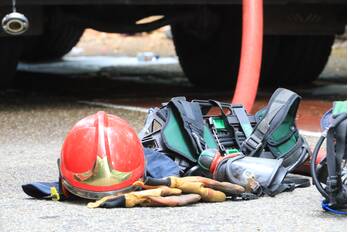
58,38
10,48
287,59
294,60
209,62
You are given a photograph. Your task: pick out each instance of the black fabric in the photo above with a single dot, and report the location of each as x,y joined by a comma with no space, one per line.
242,118
332,169
298,182
40,190
334,160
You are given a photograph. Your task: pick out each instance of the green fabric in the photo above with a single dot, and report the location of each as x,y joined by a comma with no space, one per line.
175,138
339,107
209,138
282,132
281,149
285,147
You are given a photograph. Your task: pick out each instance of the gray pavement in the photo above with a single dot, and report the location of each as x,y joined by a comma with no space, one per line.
32,131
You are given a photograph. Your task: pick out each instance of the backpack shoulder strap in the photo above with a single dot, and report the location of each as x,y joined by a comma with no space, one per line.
192,121
243,119
278,108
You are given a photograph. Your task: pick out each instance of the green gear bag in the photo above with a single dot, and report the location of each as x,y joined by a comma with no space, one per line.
183,129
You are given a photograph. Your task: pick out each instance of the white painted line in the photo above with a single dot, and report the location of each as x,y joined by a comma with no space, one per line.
114,106
86,64
310,133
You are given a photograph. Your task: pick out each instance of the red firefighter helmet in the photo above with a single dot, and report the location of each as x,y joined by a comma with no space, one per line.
101,155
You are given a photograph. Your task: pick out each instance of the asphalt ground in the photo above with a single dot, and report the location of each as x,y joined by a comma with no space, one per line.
32,131
36,115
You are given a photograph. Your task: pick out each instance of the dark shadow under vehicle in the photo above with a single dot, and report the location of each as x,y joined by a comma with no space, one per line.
207,36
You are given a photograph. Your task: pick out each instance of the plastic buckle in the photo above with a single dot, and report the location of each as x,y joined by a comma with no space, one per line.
54,194
252,144
238,106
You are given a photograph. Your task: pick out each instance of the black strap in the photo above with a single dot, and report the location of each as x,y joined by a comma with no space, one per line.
231,132
240,115
297,155
288,185
243,120
332,179
297,182
219,106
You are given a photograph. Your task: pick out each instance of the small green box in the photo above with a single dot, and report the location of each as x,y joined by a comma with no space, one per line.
219,123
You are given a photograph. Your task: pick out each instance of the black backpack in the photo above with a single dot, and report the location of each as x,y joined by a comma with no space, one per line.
332,170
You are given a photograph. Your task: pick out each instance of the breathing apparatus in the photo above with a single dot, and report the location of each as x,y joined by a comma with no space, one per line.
332,171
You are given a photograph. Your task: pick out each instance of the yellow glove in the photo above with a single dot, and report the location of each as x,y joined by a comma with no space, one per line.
210,190
207,194
226,187
160,196
171,191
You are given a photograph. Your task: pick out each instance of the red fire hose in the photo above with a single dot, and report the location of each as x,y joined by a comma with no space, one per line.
251,54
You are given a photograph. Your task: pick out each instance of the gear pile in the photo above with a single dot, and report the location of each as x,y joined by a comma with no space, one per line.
191,151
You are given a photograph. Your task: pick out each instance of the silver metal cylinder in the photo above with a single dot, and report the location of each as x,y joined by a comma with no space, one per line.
15,23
